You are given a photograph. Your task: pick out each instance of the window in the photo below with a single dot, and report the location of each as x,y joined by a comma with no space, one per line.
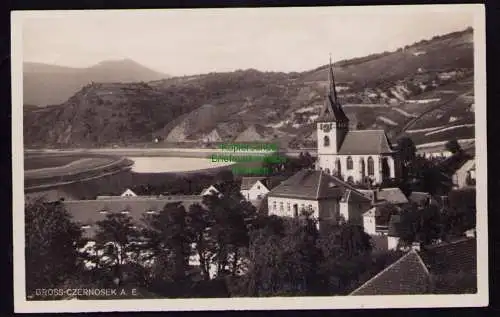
310,207
327,170
281,206
259,196
326,141
339,168
274,205
258,186
349,163
288,206
371,167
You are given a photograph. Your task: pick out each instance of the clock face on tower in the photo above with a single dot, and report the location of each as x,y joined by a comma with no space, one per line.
326,127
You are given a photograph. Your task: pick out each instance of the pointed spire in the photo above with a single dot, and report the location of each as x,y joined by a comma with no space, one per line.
331,88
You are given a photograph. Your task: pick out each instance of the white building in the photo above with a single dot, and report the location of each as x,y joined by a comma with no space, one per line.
307,190
465,175
211,190
253,188
351,155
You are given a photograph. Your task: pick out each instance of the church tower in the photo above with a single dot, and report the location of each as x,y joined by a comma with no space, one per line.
332,127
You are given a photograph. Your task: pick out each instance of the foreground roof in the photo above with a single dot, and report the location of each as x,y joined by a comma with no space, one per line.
309,184
406,276
457,256
365,142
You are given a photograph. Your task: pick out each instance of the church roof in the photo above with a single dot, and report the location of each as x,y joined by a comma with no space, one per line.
364,142
309,184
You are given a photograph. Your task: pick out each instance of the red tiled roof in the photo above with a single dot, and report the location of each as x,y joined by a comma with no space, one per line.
406,276
365,142
309,184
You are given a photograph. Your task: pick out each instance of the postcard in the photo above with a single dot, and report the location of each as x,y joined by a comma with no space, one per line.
249,158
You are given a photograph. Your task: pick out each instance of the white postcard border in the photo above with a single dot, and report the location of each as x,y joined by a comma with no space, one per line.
21,305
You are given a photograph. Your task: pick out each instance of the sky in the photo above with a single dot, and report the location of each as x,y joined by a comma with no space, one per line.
185,42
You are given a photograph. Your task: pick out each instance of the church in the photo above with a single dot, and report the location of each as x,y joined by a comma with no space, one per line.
356,156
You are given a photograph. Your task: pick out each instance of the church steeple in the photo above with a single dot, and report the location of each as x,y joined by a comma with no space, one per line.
332,91
332,110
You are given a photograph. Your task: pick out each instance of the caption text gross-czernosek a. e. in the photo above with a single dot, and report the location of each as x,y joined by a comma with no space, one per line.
86,292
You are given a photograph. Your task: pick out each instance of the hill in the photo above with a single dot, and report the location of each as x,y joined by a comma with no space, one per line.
424,85
45,84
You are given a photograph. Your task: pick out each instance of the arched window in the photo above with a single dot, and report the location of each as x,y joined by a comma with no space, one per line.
326,141
327,170
371,167
339,167
362,168
349,163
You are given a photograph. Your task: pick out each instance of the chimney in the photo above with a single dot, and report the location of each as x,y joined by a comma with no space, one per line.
415,246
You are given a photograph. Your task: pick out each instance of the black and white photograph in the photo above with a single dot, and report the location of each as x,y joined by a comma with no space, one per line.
249,158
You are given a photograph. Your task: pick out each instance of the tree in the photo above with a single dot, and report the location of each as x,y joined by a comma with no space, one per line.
406,152
453,146
116,238
51,245
420,224
200,221
168,241
284,258
231,216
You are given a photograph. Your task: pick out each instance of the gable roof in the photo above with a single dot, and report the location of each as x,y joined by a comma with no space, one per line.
308,184
128,193
209,190
365,142
407,276
248,181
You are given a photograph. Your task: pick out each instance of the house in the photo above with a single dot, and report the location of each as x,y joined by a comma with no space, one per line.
465,175
352,206
422,271
381,222
128,193
211,190
88,212
311,190
256,188
353,155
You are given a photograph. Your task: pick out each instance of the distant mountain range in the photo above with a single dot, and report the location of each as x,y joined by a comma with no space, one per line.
424,90
45,84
